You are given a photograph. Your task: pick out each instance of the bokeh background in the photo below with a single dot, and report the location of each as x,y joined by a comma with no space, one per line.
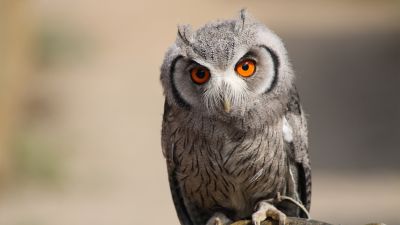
81,106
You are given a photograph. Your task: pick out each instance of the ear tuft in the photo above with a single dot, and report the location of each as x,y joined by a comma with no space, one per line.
242,20
185,34
243,14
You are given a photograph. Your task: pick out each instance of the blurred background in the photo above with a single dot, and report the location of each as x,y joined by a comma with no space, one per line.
81,106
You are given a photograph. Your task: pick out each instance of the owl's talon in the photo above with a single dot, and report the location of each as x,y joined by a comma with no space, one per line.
258,216
265,210
218,219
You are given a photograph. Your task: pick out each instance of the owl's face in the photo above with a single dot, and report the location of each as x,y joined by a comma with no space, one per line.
225,68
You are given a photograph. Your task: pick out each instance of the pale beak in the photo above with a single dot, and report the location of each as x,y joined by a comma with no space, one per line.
227,105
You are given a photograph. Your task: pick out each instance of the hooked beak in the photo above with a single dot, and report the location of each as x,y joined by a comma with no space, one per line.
227,105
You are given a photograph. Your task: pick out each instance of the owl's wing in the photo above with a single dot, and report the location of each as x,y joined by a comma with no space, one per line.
168,148
299,147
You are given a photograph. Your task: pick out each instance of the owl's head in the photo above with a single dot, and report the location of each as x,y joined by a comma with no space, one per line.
226,68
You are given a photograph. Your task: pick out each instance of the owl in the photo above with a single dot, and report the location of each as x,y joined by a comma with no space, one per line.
234,134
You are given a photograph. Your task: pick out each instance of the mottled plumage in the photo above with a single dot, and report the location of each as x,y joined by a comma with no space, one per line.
228,160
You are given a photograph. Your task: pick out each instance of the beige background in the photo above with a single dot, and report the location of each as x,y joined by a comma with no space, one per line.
85,144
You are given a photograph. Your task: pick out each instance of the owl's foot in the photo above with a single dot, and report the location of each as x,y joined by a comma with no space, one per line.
265,210
219,219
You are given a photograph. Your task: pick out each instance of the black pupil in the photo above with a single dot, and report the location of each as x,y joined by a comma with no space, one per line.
200,73
245,66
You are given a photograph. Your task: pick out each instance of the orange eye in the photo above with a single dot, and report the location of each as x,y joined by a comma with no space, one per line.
200,75
246,68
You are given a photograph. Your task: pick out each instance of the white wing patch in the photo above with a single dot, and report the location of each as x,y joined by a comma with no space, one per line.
287,131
